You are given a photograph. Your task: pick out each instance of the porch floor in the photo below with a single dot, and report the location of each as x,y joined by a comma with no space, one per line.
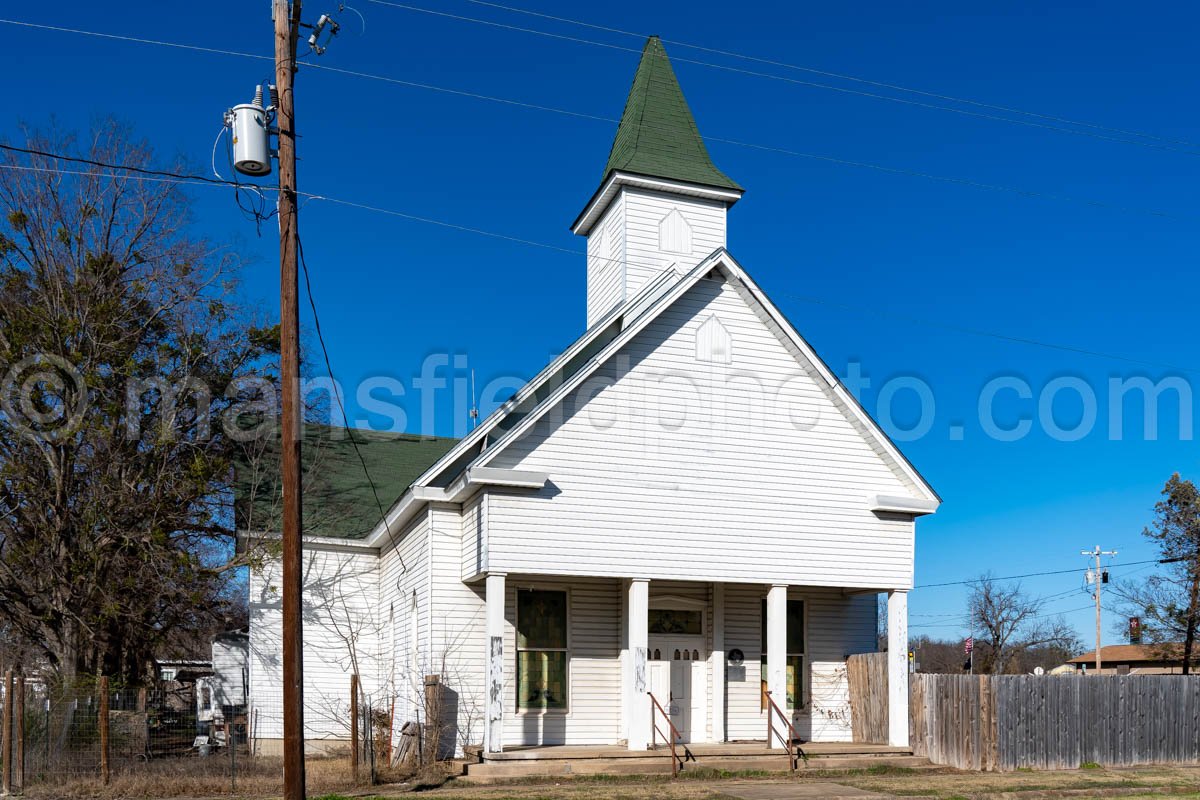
699,749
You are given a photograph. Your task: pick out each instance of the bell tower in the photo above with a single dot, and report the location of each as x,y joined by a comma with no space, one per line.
662,202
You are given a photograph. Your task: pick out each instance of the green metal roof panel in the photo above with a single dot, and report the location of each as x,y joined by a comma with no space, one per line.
338,499
657,136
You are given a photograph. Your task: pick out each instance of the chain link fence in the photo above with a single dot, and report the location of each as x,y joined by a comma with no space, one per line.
102,739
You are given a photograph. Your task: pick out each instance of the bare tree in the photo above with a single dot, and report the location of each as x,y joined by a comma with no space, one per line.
121,344
1010,622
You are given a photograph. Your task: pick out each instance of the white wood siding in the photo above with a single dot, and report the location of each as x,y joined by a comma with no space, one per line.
340,629
665,467
458,637
594,706
838,626
646,252
230,660
404,605
474,537
606,262
743,612
643,233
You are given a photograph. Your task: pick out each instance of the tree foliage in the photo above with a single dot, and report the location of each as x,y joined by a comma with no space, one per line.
1169,602
123,353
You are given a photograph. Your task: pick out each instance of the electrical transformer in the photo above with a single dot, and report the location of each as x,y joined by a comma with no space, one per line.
251,139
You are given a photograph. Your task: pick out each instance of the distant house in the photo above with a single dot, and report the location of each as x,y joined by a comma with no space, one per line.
182,670
1133,659
685,514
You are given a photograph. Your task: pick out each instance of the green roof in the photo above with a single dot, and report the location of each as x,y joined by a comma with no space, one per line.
338,499
657,136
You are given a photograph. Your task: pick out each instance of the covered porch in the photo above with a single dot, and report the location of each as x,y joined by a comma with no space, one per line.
582,668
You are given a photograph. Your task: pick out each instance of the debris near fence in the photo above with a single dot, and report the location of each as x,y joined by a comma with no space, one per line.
103,739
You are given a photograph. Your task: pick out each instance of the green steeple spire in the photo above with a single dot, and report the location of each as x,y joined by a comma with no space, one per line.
657,136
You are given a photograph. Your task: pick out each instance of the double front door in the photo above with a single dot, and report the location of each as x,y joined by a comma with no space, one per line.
679,681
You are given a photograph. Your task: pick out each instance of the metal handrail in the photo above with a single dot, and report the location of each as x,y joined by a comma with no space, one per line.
793,737
676,762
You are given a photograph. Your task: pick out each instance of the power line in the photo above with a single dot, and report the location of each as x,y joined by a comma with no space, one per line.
125,167
203,180
965,622
839,76
767,75
1044,599
1032,575
123,38
992,187
185,180
722,140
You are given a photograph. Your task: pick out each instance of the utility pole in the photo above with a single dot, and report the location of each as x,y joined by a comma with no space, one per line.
1096,553
287,25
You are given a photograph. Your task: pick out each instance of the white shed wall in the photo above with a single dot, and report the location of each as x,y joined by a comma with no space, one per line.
340,630
230,660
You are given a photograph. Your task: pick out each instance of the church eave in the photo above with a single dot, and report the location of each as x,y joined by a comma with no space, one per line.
617,179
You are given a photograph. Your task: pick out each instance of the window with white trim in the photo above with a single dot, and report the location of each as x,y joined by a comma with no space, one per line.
542,653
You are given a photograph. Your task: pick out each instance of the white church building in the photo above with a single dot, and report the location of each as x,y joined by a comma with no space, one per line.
684,516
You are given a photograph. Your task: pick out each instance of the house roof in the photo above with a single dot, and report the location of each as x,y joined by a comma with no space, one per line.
339,501
1130,653
601,342
657,135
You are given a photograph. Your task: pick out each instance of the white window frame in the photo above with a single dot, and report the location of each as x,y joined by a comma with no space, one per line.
517,650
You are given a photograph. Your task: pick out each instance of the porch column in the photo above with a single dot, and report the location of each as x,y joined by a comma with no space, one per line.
777,662
493,737
636,680
897,661
718,662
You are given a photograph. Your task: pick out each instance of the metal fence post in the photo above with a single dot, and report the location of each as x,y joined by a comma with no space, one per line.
19,731
103,723
231,743
6,735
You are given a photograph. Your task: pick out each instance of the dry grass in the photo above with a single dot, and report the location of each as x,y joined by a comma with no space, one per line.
1174,782
330,777
986,784
194,777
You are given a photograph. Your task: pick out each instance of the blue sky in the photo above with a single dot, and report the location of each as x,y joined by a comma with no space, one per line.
878,249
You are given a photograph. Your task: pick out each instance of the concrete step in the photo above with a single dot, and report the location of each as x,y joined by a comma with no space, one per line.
498,770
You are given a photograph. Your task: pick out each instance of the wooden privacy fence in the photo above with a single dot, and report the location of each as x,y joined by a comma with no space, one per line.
867,676
1007,722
